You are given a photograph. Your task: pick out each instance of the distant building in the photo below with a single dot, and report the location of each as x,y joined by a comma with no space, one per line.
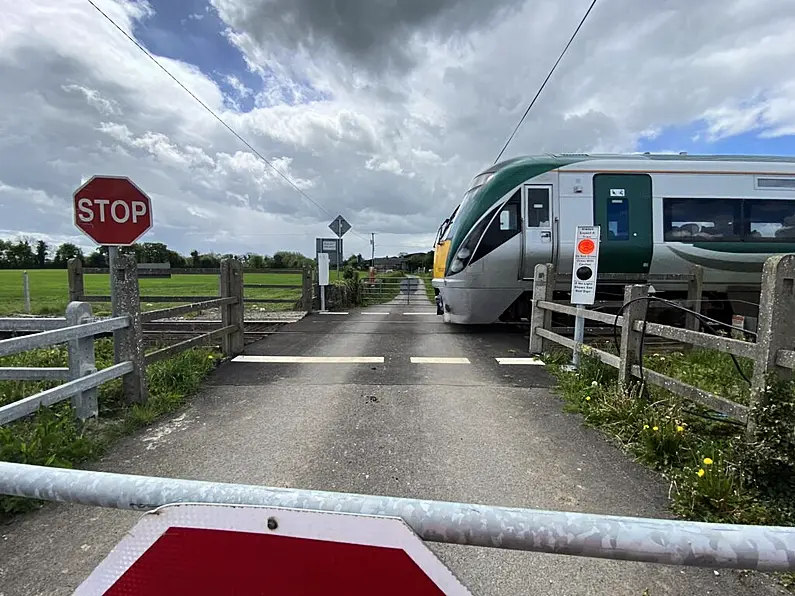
390,263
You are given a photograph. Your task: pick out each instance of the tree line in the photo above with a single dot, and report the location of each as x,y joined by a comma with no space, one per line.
27,253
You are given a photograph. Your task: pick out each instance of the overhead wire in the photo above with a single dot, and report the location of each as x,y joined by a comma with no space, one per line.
541,88
212,113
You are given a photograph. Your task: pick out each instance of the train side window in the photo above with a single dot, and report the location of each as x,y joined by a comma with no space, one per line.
768,220
618,219
509,217
702,220
537,207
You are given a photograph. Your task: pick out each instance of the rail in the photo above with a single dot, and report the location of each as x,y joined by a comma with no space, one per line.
667,541
771,353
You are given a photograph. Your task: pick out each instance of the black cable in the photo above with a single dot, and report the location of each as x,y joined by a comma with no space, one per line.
705,320
540,89
213,114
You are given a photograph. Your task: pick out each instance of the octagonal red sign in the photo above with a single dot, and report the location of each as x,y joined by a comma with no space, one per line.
112,210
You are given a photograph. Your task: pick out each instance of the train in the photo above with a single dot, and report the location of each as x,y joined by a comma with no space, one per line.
658,213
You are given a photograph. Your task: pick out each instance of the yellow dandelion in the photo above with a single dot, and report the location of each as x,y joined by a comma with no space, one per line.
700,472
645,426
210,357
587,398
680,429
655,428
707,461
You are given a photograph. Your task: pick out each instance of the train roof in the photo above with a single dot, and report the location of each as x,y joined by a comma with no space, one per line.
564,159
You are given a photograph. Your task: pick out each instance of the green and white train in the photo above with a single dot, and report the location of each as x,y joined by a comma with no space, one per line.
658,214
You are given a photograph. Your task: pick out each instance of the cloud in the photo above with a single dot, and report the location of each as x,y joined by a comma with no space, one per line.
381,111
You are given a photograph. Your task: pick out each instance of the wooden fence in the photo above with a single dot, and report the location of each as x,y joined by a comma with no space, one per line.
79,329
77,293
772,352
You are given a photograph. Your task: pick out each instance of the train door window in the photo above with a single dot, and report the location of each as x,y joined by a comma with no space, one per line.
538,208
767,220
618,219
509,217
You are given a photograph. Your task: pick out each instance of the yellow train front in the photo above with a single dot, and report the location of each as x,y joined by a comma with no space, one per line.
441,248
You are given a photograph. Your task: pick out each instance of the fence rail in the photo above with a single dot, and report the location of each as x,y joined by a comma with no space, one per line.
771,353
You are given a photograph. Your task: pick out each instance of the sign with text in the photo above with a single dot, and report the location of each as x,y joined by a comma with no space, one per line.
585,266
331,247
112,210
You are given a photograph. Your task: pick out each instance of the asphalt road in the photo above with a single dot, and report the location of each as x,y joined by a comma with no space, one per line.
468,429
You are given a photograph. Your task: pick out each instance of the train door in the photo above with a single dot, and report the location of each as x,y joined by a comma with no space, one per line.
537,210
623,209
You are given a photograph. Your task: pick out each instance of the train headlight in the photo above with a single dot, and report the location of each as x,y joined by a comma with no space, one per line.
456,266
464,253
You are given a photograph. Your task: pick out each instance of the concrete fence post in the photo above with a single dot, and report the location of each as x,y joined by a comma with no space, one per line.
776,328
306,290
630,339
128,344
75,272
232,314
695,291
82,361
26,291
543,288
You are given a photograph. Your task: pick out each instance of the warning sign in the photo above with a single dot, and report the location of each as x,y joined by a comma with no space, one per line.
586,261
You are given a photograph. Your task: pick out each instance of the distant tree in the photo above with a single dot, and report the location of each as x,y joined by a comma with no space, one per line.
195,258
41,254
97,259
66,251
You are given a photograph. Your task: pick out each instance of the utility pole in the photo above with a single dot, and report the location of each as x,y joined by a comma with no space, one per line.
372,245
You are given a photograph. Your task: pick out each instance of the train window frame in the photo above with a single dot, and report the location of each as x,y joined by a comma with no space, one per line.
741,214
536,216
787,205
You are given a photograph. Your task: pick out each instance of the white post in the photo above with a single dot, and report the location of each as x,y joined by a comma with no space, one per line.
26,291
323,298
579,335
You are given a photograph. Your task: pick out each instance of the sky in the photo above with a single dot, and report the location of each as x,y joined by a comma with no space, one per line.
379,110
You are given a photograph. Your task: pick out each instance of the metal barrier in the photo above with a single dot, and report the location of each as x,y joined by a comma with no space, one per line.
675,542
403,290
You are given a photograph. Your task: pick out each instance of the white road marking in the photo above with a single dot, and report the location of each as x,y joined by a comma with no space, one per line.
424,360
329,312
375,313
420,313
311,359
535,361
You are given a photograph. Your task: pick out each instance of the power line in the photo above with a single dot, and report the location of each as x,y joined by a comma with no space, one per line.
212,112
540,89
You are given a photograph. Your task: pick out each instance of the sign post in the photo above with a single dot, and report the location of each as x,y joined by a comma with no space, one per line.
322,278
235,549
340,227
583,280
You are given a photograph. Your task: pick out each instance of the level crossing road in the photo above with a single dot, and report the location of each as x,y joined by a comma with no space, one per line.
385,400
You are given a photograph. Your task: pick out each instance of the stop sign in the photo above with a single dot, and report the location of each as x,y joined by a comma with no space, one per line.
112,210
228,549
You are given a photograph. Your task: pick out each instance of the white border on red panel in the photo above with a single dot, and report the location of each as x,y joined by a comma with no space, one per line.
138,188
387,532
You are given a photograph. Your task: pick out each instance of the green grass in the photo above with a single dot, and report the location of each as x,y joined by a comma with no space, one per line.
715,474
427,277
49,290
54,437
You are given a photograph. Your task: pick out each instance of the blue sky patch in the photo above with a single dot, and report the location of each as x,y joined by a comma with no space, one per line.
191,31
682,139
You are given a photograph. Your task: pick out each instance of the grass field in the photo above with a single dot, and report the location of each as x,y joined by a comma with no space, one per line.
49,290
